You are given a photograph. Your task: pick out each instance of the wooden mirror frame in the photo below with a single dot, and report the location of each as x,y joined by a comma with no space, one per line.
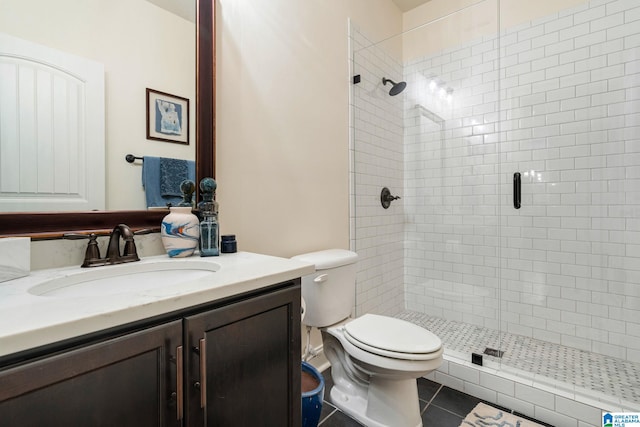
51,225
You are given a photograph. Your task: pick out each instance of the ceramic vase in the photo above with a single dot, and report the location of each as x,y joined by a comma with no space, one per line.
180,232
311,397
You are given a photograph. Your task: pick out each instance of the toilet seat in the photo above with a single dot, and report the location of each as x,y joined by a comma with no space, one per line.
390,337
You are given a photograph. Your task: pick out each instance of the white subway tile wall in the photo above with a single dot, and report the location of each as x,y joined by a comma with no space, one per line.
377,157
558,100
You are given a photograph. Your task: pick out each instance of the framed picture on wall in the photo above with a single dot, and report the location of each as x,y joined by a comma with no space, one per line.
167,117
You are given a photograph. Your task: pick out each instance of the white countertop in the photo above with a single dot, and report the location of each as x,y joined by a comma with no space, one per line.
28,321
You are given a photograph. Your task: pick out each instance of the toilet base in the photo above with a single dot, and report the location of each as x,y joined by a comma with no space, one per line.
390,403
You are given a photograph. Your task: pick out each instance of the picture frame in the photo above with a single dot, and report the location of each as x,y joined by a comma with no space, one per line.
167,117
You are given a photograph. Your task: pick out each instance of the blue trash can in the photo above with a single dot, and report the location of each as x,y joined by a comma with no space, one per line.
311,399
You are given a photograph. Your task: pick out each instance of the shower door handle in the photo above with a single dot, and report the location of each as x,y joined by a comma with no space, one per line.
517,190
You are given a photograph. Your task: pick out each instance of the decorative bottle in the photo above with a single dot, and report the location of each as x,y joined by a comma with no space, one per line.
180,232
209,227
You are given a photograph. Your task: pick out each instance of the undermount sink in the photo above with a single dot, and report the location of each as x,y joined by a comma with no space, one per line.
125,278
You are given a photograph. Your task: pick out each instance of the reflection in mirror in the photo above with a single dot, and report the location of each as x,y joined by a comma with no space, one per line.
45,225
51,129
140,45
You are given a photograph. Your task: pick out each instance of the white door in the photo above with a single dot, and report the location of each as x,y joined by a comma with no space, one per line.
52,129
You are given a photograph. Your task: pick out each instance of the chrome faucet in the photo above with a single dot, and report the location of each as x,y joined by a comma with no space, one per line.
121,231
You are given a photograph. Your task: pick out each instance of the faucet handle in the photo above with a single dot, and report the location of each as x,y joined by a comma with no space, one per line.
92,254
130,245
130,253
130,250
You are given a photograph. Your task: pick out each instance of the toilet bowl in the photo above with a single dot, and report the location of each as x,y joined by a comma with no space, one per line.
375,360
376,383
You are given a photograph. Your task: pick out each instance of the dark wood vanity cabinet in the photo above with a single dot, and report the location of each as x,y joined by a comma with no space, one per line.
244,363
124,381
240,363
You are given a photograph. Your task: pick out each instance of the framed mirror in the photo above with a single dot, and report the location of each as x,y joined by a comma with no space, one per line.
48,225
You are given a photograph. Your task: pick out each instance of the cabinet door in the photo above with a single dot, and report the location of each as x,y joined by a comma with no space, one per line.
125,381
244,363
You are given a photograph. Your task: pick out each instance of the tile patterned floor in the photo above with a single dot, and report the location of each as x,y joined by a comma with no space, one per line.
440,406
590,371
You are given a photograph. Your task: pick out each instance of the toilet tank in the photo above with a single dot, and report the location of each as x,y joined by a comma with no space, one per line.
330,292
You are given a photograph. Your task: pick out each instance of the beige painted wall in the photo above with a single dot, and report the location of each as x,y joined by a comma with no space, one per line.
515,12
448,24
283,119
440,24
140,46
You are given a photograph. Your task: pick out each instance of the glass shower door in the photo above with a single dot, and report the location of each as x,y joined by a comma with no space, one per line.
436,145
570,149
452,177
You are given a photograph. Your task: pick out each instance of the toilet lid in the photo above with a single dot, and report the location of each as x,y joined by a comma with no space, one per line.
389,335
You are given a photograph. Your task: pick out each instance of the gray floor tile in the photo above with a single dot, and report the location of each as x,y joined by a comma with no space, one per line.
455,401
427,389
438,417
339,419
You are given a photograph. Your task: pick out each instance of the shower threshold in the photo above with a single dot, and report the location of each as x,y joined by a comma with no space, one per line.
597,380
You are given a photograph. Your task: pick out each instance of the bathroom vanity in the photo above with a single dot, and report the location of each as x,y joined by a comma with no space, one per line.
226,352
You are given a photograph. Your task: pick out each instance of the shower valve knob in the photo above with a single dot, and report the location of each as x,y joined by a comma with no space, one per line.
386,198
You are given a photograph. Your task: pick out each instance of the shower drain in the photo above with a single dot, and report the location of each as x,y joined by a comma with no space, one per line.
493,352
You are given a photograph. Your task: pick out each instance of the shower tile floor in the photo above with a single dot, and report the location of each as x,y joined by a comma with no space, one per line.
593,375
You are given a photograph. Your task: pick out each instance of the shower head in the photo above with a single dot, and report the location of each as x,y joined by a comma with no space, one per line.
396,88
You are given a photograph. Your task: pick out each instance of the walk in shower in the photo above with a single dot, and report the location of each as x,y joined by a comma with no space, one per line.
543,103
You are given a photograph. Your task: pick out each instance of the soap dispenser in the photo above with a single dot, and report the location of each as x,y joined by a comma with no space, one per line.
209,228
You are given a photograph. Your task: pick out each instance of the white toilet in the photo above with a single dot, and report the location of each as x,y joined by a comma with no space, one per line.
375,360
